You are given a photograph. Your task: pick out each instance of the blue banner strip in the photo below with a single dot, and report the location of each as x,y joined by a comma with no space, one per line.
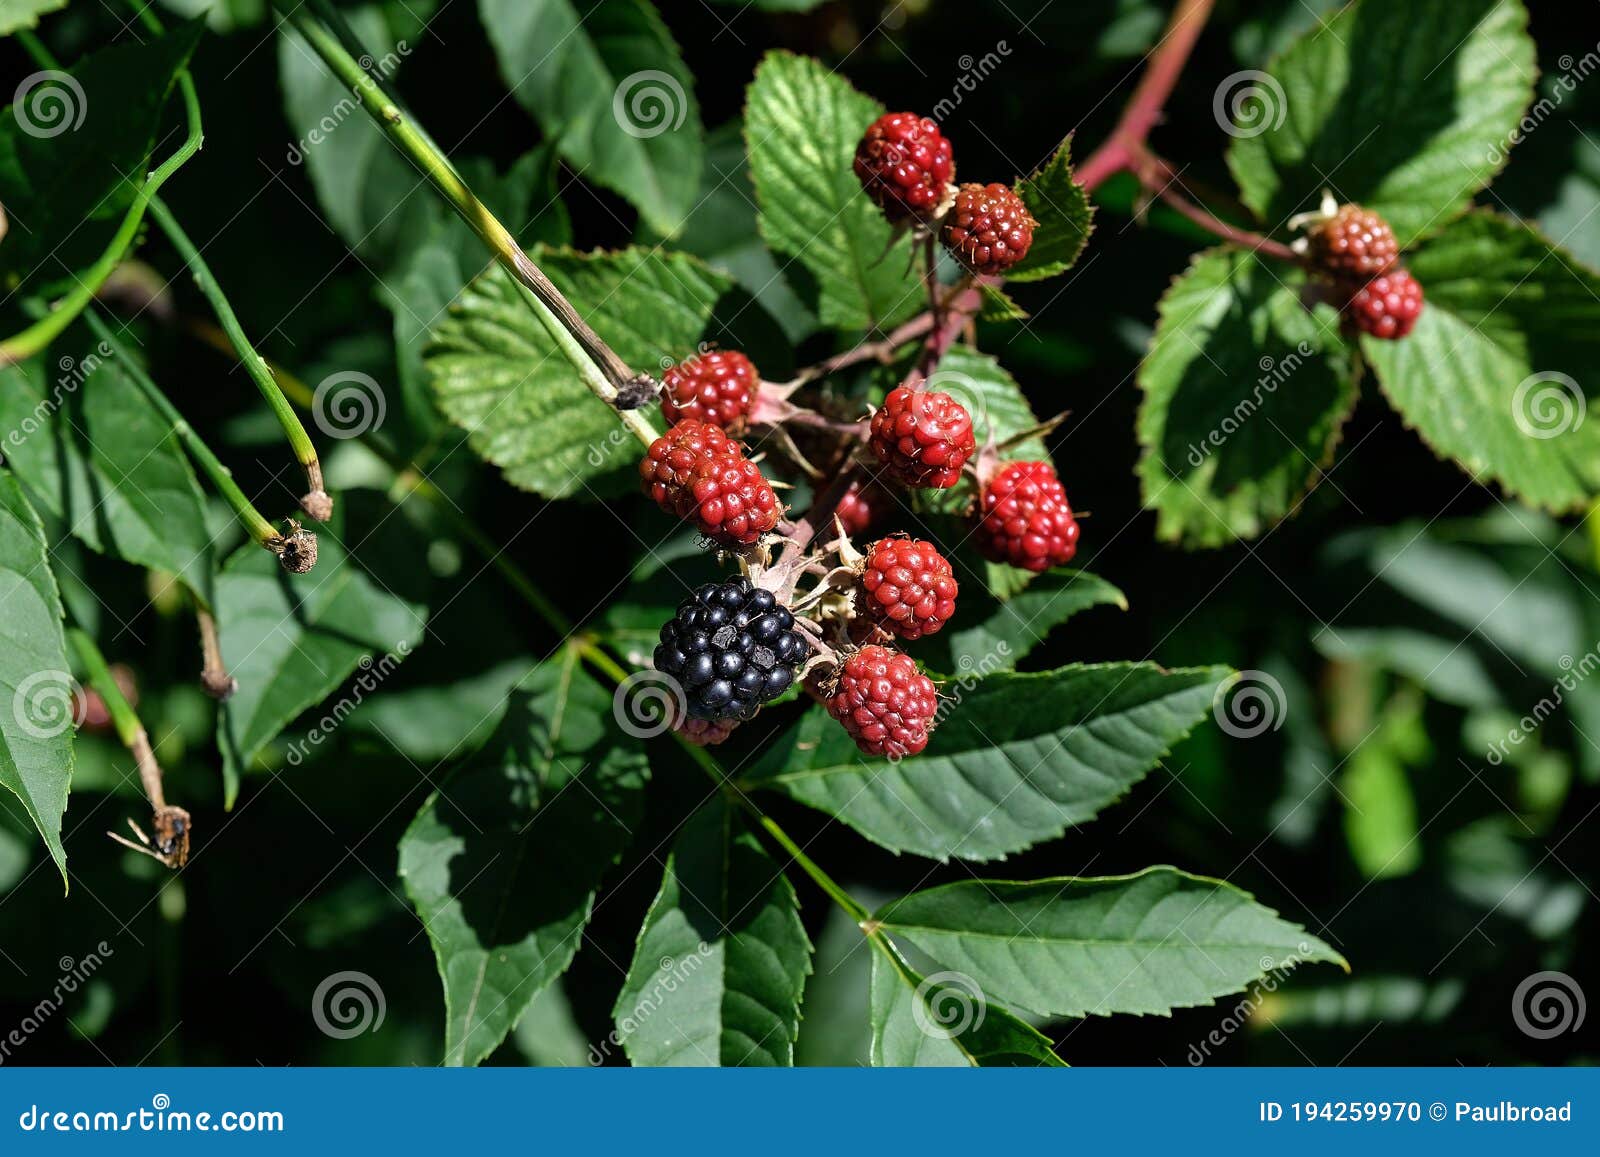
814,1112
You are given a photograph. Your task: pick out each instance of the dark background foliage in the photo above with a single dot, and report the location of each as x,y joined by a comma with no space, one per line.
299,881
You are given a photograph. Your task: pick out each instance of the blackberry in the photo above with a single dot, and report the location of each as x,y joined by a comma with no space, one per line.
732,648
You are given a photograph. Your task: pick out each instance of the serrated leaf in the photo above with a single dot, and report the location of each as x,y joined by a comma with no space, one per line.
998,306
498,374
292,640
722,959
608,85
1245,393
1018,759
99,456
1064,215
36,725
15,14
1407,109
989,635
1146,943
1499,372
940,1022
502,863
65,167
802,125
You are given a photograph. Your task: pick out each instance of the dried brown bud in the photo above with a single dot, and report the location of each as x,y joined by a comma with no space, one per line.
318,505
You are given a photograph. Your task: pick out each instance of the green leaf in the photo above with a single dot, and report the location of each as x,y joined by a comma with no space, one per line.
549,1034
292,640
438,721
802,124
369,192
15,14
1019,759
988,635
722,959
1244,396
65,166
503,862
1146,943
1380,812
36,722
1499,372
498,374
940,1021
1065,217
99,456
607,84
1407,109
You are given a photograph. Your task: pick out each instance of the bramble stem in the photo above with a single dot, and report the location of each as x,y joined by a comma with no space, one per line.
36,337
1145,108
221,477
602,371
254,364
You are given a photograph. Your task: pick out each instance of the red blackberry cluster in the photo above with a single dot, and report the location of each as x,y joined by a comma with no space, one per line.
922,438
1024,518
884,702
717,387
696,471
905,165
1354,244
1387,306
988,228
907,587
1355,249
731,647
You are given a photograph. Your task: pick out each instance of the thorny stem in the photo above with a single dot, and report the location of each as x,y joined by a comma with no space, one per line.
880,351
36,337
254,364
1145,108
1159,177
259,529
602,371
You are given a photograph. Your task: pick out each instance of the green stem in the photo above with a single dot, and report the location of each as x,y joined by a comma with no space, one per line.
221,477
38,336
98,675
254,364
602,371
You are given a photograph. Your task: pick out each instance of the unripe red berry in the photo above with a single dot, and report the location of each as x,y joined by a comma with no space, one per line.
923,438
907,587
1024,518
717,387
1353,244
905,165
864,504
695,471
1387,306
884,702
988,228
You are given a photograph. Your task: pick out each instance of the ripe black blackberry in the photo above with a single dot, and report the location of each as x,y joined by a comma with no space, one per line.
732,648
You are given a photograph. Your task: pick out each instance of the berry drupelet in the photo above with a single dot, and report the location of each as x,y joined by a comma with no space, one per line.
905,165
732,648
696,471
1024,518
